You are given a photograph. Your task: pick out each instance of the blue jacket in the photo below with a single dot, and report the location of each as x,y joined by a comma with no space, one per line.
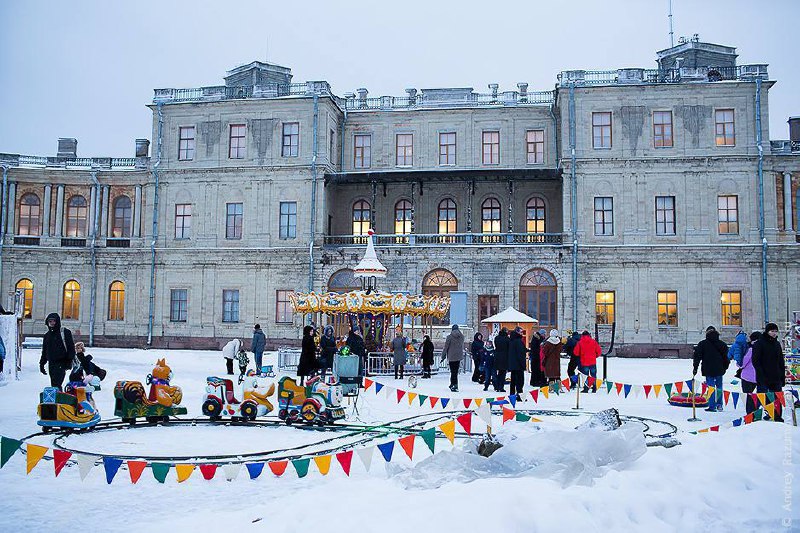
738,348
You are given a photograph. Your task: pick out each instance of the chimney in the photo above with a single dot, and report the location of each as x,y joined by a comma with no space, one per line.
523,91
142,147
794,130
412,95
362,97
494,87
67,148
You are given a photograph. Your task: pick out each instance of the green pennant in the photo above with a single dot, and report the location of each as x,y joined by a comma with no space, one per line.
609,386
422,399
160,471
770,397
429,436
522,417
758,414
301,466
668,389
8,447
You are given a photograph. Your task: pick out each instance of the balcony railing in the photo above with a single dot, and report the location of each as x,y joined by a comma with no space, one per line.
118,243
654,76
505,98
222,92
73,243
784,147
17,160
438,239
26,240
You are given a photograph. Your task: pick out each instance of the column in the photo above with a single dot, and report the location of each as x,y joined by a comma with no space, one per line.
372,206
92,209
470,194
104,190
788,223
12,204
60,211
137,212
413,213
47,200
511,207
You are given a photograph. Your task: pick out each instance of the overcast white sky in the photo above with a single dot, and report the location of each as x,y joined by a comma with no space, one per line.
86,69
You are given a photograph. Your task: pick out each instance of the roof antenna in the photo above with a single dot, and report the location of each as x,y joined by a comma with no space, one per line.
266,54
671,36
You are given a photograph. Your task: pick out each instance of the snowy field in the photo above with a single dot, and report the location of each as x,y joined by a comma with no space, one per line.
548,477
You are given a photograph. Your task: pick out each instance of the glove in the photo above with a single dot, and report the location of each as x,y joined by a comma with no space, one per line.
42,370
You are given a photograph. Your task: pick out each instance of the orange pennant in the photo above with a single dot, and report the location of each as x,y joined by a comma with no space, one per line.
727,396
278,467
619,388
367,383
508,414
545,391
135,469
433,400
34,455
478,401
449,430
770,408
407,443
679,386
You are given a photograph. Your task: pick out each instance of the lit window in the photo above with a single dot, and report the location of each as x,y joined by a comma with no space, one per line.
728,214
29,215
491,147
667,308
402,220
724,127
604,307
291,140
76,216
26,286
447,217
490,216
535,216
601,130
123,216
662,129
116,301
534,142
238,141
362,216
731,308
71,300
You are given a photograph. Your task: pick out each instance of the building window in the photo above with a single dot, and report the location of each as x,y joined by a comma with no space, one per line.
534,142
332,147
604,307
439,283
724,127
662,129
728,212
603,215
238,141
283,309
178,305
667,308
76,216
488,305
665,215
291,139
601,130
490,216
404,145
447,148
26,286
535,216
343,281
230,305
361,217
29,215
447,217
71,300
538,297
183,221
123,216
186,143
116,301
362,157
402,218
731,308
288,222
233,221
491,147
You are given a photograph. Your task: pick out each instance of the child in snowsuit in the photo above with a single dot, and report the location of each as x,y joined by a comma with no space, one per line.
487,363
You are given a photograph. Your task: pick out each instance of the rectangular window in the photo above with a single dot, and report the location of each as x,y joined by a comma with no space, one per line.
667,308
665,215
534,142
728,214
238,141
332,144
183,221
604,215
724,127
604,307
291,139
230,305
233,221
662,129
404,144
178,305
288,222
731,308
362,157
447,148
488,305
601,130
186,143
283,309
491,147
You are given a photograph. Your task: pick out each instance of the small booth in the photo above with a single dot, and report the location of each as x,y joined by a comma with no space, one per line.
510,318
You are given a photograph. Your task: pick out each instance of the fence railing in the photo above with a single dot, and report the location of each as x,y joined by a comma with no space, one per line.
73,162
222,92
378,363
437,239
671,75
504,98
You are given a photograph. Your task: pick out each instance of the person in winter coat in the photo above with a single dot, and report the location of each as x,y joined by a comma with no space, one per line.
427,356
356,344
370,344
770,365
551,356
229,352
86,362
588,350
535,354
747,372
58,350
453,351
476,349
487,363
738,348
2,354
516,361
257,345
501,343
327,350
308,355
399,354
713,353
574,360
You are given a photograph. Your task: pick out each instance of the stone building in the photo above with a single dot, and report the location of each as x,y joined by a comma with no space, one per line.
652,198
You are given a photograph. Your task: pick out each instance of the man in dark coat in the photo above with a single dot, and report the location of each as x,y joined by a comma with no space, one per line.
516,361
537,374
308,355
453,351
501,342
356,344
770,365
713,353
257,345
476,349
327,350
58,350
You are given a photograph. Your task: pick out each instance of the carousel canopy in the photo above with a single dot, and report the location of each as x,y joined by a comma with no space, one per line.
370,265
376,303
510,315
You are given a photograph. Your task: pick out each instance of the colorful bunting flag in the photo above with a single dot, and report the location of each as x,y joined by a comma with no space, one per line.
400,394
254,469
647,389
184,471
522,417
478,401
85,464
545,391
407,443
160,471
449,430
609,386
422,398
433,400
513,399
345,459
467,402
770,408
714,428
735,398
135,469
60,458
780,397
367,384
429,437
231,471
466,422
679,386
34,454
301,466
762,398
619,387
444,402
737,422
378,387
278,467
657,389
365,454
484,412
508,414
411,397
8,447
565,383
386,450
208,471
748,418
535,395
627,390
111,466
323,463
726,395
758,414
388,391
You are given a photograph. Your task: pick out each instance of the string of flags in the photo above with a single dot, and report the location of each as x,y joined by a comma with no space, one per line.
749,418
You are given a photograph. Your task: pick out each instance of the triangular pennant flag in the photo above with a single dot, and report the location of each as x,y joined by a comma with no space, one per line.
301,466
478,401
400,394
367,383
467,402
627,390
386,450
111,466
444,402
522,417
780,397
758,414
184,471
389,391
411,397
619,388
647,389
690,385
565,383
735,398
429,437
770,397
231,470
278,467
703,386
345,459
433,400
422,399
748,418
466,422
378,387
407,443
727,396
609,386
34,454
705,430
135,469
208,471
160,471
484,412
545,391
535,395
737,422
254,469
60,458
8,447
365,454
323,463
598,383
668,389
714,428
637,390
508,414
85,464
449,430
762,398
770,408
590,381
513,399
534,419
679,386
657,389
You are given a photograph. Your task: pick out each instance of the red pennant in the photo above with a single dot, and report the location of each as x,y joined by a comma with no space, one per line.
748,418
208,471
407,443
779,396
400,394
565,383
466,422
508,414
467,402
367,383
703,388
60,458
590,381
647,389
714,428
433,400
535,395
619,388
135,469
727,395
278,467
345,458
679,386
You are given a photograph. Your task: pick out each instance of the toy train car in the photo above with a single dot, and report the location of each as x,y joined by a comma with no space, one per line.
316,402
220,398
131,402
74,409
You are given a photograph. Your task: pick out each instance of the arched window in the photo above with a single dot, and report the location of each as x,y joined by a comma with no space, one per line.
26,286
361,217
447,217
402,220
490,216
116,301
343,281
439,282
535,215
123,216
77,210
72,300
538,297
29,215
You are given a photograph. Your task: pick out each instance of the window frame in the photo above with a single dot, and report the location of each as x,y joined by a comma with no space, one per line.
602,136
494,209
667,304
538,147
231,230
185,229
494,147
186,153
241,141
116,301
288,315
230,306
603,212
731,305
662,126
363,152
182,310
601,308
26,213
361,206
725,134
287,222
75,301
80,229
27,299
727,212
540,206
665,223
126,231
404,209
447,221
408,150
292,148
447,151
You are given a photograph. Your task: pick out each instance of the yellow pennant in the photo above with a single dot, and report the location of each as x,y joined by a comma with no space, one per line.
703,430
35,454
534,419
762,398
323,463
545,391
657,389
478,401
411,397
770,409
184,471
597,383
449,430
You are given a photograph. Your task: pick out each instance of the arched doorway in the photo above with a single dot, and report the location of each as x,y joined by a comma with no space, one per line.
439,282
538,297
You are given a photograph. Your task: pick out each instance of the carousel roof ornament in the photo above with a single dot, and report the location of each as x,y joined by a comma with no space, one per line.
370,266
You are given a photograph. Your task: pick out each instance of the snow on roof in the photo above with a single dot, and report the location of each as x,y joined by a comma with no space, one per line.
370,265
510,315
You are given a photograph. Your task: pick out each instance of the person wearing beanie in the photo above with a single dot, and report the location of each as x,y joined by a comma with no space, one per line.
747,372
535,354
551,357
257,345
770,365
713,354
453,351
327,350
588,350
501,342
574,360
516,361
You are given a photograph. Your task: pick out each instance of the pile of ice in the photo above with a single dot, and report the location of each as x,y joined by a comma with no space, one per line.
566,456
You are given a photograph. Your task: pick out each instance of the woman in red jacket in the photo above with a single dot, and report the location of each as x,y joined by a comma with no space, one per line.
588,350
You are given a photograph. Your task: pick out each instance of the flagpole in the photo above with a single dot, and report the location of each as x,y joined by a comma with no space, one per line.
694,406
578,393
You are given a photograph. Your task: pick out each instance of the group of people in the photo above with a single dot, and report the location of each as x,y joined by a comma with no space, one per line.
62,354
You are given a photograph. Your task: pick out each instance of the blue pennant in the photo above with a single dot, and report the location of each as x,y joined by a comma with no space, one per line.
444,401
735,398
690,384
111,464
627,389
386,449
254,469
513,399
378,387
737,422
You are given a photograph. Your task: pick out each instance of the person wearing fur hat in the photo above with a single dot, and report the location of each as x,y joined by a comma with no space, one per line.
770,365
713,354
516,361
551,357
327,350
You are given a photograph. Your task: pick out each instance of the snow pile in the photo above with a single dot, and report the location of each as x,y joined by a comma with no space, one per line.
568,457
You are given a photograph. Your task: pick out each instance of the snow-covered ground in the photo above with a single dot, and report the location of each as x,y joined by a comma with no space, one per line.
740,479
